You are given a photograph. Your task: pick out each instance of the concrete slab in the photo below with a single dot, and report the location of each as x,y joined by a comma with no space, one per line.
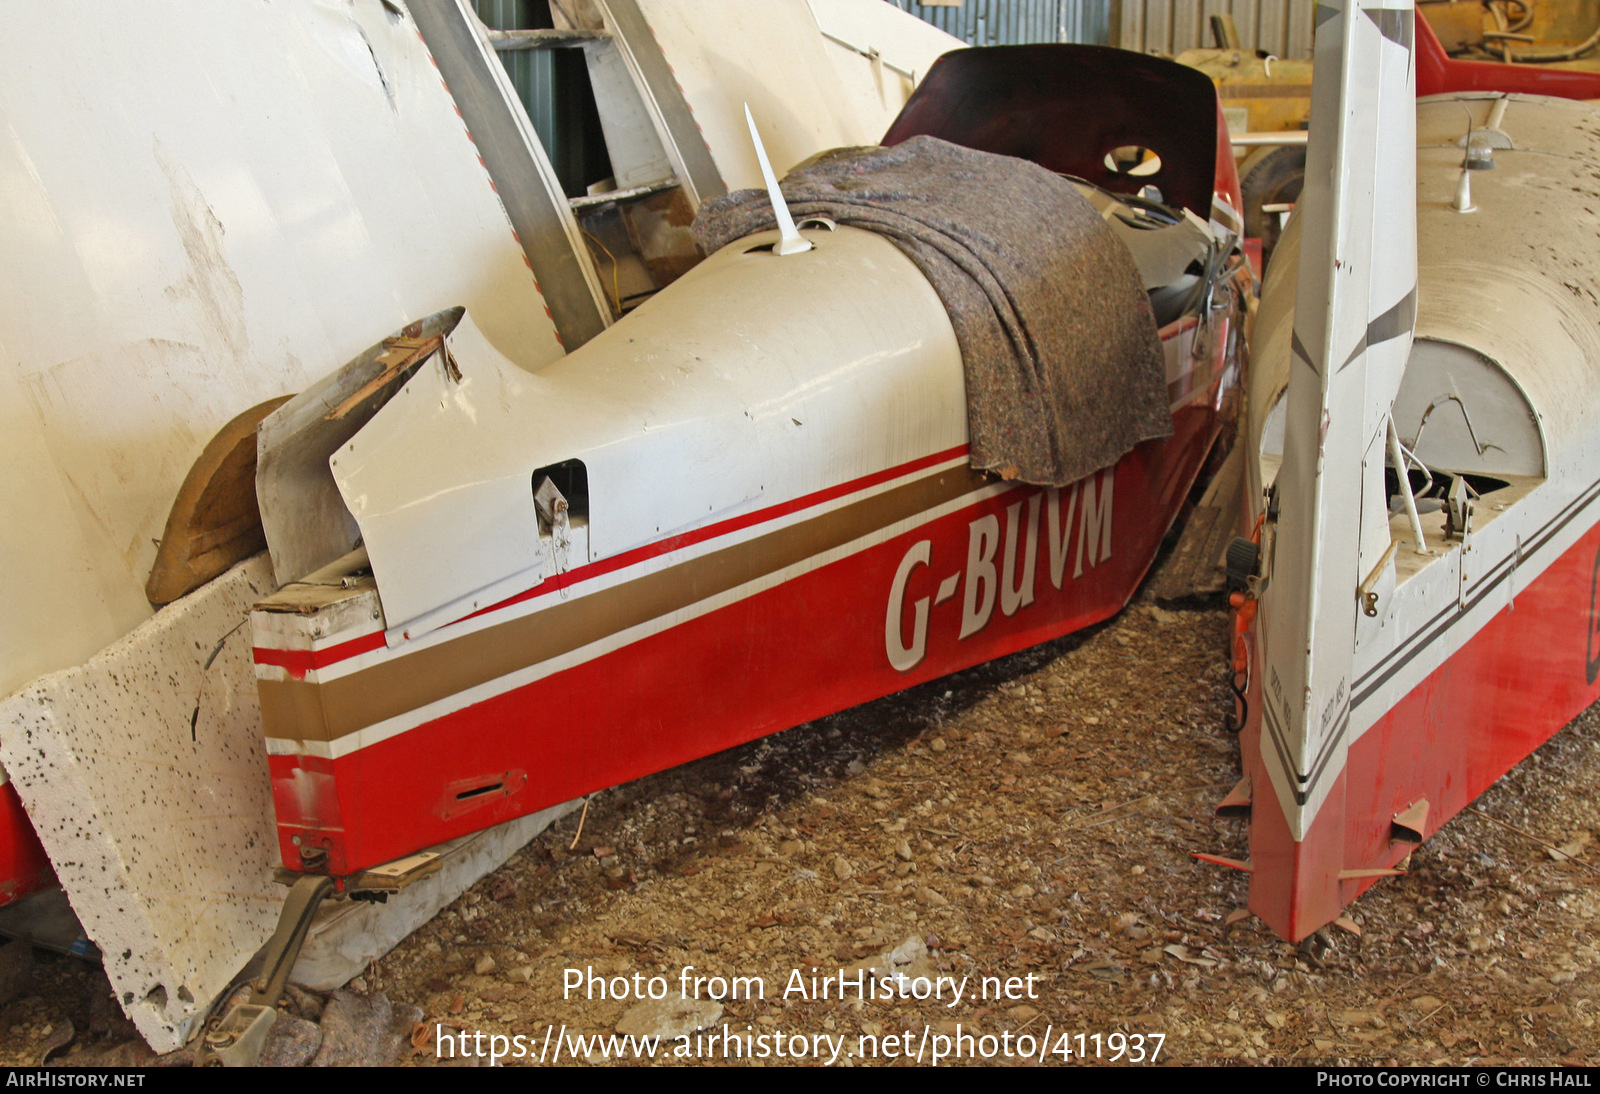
145,775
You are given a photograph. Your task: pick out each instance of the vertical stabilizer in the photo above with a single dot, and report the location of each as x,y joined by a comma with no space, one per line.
1355,308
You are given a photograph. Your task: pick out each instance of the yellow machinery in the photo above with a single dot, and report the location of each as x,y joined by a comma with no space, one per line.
1263,95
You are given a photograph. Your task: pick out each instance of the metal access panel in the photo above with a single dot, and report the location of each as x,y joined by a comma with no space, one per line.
1281,27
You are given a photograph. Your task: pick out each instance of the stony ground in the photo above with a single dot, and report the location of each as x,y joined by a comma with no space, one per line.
1031,822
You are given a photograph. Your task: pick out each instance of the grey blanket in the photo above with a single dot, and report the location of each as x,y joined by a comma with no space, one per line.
1063,365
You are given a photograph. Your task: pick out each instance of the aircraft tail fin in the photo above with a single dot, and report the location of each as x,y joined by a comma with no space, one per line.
1355,310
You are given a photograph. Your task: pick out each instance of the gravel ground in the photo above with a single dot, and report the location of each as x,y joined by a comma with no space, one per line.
1024,829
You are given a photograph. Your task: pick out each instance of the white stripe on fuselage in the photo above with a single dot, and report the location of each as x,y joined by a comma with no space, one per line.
589,586
391,727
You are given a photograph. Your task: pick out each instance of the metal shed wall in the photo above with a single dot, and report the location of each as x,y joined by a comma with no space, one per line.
1281,27
1018,22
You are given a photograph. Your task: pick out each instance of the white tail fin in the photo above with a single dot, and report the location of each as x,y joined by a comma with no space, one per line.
790,241
1355,309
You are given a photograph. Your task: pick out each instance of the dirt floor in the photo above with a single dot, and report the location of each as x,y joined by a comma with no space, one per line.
1029,822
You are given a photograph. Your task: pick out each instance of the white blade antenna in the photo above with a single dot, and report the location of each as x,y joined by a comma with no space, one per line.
790,241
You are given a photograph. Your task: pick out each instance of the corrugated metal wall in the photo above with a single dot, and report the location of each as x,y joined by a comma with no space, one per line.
1016,22
1281,27
530,69
554,87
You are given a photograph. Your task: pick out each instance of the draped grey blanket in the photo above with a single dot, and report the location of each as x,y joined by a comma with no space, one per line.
1063,365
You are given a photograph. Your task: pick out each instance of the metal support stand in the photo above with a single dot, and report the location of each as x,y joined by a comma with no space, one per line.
237,1039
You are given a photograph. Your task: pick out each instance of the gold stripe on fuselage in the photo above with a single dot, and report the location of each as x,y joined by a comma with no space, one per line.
328,710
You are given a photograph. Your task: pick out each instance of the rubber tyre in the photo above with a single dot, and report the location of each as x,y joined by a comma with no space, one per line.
1273,179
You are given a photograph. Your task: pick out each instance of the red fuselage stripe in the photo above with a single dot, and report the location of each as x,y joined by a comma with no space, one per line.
299,662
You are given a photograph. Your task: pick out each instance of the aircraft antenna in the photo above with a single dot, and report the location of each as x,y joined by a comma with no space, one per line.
790,241
1463,199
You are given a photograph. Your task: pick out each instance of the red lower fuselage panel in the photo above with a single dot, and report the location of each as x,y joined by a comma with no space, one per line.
1506,691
